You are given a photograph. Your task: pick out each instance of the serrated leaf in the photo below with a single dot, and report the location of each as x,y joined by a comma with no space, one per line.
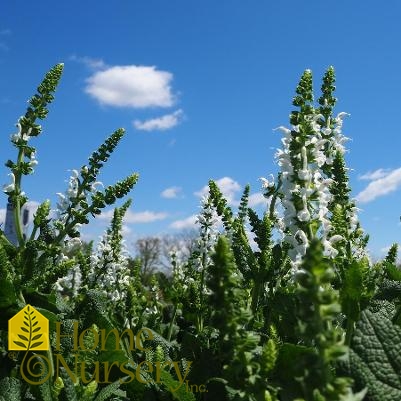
375,359
177,389
110,390
10,389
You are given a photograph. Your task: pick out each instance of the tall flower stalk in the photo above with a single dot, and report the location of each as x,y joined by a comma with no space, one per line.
26,158
310,174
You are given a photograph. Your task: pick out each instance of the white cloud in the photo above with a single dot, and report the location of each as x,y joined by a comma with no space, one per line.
381,186
131,86
126,230
227,186
171,193
144,217
375,175
256,199
189,222
135,217
93,63
162,123
385,249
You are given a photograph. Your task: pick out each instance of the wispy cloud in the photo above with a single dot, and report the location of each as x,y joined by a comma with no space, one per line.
375,175
383,183
189,222
136,217
162,123
90,62
132,86
171,193
256,200
227,186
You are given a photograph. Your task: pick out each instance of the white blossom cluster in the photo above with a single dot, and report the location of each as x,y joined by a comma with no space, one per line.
19,135
67,197
70,283
70,196
179,272
305,190
20,138
207,219
107,274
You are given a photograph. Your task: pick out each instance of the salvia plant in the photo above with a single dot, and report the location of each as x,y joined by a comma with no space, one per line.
287,306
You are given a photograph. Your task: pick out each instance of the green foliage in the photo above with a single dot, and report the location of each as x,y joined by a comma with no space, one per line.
375,360
299,313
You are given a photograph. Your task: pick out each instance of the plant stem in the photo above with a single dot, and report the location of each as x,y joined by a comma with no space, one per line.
17,205
170,329
349,331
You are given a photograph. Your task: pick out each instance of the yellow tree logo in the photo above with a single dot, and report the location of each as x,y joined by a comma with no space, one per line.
28,330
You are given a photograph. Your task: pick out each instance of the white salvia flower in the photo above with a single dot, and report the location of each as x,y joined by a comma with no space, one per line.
15,137
301,247
284,130
302,191
304,174
19,135
110,276
289,208
267,183
300,235
72,281
95,185
329,250
10,187
326,131
207,220
304,215
341,116
326,225
72,244
336,238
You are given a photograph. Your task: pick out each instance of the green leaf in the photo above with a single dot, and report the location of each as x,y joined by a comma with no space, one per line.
69,387
171,384
10,389
375,359
110,390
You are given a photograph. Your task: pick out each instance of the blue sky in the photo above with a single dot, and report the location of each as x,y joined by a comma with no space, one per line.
199,87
